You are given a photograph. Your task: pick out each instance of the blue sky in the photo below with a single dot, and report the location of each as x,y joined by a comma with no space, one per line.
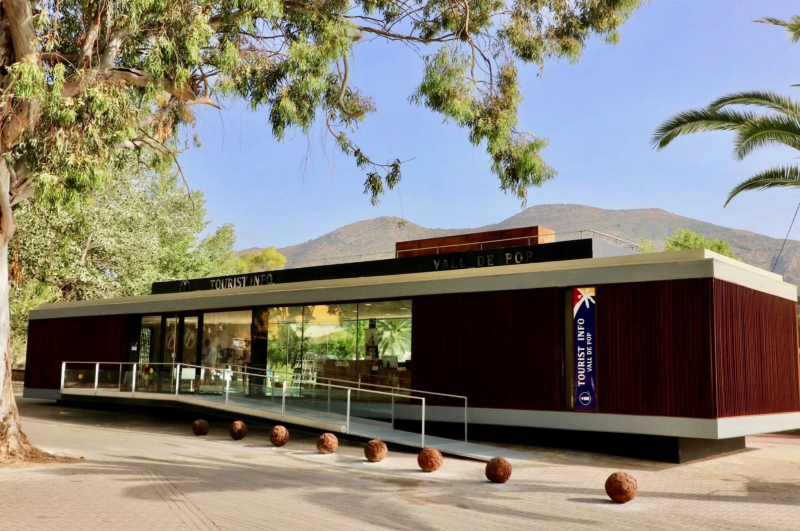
598,114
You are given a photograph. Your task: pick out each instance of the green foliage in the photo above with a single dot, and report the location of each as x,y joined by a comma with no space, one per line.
110,75
267,259
775,121
684,239
141,228
647,246
395,337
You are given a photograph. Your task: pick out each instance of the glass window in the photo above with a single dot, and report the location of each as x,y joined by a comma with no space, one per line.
330,331
282,328
190,340
386,331
150,339
226,338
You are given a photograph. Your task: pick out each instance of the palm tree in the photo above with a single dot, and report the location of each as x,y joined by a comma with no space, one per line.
395,337
769,119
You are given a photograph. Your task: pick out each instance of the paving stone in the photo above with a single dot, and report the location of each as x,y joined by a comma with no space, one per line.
150,474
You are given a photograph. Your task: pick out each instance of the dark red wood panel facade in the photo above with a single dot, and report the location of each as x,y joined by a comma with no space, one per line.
755,337
700,348
500,349
52,341
654,348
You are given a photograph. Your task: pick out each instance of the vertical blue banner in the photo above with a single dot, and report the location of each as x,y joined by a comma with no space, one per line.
585,368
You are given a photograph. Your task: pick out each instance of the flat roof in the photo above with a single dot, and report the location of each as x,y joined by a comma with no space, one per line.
673,265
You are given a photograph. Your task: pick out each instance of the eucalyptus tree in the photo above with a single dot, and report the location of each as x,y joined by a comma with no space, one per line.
141,228
83,79
770,119
266,259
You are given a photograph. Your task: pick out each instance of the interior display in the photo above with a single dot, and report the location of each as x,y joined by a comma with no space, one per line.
371,341
226,338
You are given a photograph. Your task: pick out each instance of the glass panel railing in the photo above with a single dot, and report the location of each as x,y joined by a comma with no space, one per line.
155,378
79,376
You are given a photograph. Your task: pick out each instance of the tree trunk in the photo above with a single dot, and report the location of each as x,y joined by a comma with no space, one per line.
14,444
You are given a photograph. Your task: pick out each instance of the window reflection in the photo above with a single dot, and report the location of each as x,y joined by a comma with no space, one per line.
150,339
226,338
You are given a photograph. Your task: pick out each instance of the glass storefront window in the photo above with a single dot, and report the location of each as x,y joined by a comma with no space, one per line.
190,340
226,338
282,331
150,339
386,333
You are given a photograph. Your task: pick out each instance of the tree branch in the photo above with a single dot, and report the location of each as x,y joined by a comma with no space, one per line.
20,21
112,48
6,216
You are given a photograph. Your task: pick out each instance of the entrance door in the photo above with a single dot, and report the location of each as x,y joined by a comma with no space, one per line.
190,341
171,339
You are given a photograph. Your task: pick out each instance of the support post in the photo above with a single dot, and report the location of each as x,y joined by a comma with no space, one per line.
96,377
63,373
283,399
423,422
227,386
178,380
466,419
348,409
135,372
119,385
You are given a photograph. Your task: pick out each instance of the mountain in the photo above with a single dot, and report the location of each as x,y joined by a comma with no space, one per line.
375,238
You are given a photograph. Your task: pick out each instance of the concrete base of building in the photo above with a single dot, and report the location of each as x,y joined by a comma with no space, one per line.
650,447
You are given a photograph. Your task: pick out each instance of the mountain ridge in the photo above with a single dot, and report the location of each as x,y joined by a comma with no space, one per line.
375,238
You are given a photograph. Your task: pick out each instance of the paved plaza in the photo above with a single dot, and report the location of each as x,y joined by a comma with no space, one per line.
144,472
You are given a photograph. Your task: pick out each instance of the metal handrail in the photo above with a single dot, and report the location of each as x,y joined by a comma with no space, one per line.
359,388
227,378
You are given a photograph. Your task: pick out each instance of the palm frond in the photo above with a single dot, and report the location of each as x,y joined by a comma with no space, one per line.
764,131
697,121
792,25
771,178
768,100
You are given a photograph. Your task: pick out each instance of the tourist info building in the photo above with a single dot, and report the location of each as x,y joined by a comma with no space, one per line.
524,336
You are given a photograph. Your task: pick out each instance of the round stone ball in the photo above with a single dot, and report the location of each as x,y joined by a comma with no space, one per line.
375,450
238,430
327,443
621,487
430,459
498,470
200,427
279,436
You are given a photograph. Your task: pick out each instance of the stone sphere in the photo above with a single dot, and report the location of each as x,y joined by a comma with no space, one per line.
621,487
238,430
327,443
279,436
200,427
375,450
430,459
498,470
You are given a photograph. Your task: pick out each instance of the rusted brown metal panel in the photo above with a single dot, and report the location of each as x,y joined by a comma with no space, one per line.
476,241
755,337
500,349
654,348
